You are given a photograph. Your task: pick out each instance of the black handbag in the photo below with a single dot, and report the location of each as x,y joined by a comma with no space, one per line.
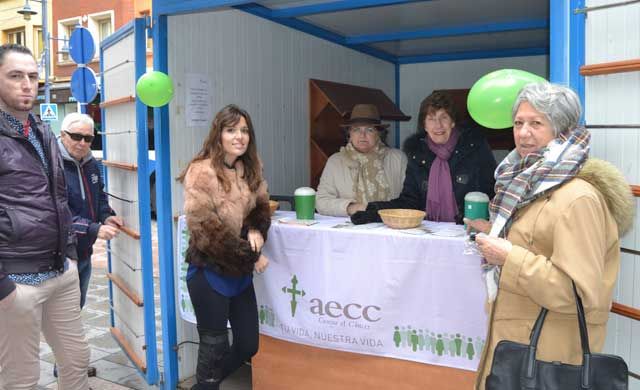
515,367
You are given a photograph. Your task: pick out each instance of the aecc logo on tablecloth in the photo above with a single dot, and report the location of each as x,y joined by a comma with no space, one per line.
333,309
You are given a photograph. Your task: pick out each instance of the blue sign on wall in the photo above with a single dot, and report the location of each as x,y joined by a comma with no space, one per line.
81,46
84,86
49,112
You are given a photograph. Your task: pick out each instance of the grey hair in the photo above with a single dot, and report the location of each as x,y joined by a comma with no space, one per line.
76,117
559,104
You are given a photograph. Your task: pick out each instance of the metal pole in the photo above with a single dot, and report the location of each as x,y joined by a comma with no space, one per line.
45,36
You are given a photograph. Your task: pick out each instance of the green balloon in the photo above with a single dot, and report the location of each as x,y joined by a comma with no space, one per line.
155,89
491,98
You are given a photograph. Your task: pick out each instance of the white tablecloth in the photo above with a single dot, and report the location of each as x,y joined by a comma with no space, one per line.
374,291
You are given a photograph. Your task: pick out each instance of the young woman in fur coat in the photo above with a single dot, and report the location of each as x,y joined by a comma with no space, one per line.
227,209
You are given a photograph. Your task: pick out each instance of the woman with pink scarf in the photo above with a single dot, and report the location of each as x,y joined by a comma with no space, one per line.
445,163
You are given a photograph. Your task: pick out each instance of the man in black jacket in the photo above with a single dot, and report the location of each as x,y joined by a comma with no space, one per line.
38,269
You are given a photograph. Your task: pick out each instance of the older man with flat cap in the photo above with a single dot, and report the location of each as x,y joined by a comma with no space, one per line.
365,170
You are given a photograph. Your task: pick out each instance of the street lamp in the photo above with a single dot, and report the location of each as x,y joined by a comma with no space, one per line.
26,13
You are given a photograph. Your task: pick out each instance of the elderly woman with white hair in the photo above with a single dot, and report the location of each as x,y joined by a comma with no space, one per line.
556,221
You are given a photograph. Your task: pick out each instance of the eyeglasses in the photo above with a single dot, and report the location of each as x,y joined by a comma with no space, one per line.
363,130
78,137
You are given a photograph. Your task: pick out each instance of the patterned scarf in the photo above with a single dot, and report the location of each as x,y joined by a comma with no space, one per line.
370,182
441,202
520,181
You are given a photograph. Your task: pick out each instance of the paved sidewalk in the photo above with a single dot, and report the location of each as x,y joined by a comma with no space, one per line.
114,370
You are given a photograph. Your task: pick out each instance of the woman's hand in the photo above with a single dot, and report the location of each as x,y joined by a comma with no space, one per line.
261,264
255,240
479,225
493,249
355,207
107,232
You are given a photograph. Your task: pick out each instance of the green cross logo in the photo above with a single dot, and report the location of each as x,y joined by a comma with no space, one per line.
293,291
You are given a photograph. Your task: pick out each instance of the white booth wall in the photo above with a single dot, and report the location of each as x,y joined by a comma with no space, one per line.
417,81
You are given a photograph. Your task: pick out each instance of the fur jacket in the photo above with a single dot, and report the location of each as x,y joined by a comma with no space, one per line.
219,220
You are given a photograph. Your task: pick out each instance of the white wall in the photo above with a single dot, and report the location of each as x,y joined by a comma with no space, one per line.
613,35
417,81
265,68
125,254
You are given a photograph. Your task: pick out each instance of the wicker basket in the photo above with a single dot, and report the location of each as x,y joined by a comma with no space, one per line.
401,218
273,206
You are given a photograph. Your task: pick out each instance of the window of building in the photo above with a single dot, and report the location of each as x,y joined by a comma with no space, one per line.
16,36
104,29
100,25
65,29
38,45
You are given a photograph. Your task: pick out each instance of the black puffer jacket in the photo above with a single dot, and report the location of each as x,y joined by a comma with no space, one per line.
34,216
472,167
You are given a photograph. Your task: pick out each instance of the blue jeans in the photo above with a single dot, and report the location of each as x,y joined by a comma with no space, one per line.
84,274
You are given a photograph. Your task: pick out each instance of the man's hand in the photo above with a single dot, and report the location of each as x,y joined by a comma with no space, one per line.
114,221
479,225
255,240
261,264
107,232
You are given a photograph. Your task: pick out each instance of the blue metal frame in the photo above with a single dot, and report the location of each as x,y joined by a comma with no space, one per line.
567,54
165,217
471,55
176,7
116,37
137,27
144,210
311,29
287,17
335,6
534,24
577,50
559,15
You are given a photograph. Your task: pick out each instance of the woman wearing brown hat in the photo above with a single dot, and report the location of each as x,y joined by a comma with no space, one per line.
365,170
445,163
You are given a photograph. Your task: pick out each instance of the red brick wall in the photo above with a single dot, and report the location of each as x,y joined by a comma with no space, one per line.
124,11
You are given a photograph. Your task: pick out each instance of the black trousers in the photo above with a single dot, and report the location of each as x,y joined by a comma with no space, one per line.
212,311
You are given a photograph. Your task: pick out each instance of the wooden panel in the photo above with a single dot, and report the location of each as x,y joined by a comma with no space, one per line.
120,165
626,311
115,102
135,359
135,298
610,67
280,365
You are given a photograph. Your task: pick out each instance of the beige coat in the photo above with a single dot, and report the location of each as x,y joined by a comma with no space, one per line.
335,190
571,233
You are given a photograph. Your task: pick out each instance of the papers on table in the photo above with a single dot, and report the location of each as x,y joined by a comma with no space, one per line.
351,226
293,221
445,230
